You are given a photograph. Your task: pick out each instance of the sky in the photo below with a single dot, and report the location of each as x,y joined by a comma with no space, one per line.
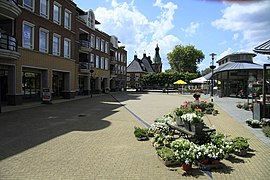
212,26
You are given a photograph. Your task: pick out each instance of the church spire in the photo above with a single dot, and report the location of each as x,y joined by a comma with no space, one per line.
157,59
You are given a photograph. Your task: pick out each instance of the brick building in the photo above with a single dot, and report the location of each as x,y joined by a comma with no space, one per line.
55,45
139,67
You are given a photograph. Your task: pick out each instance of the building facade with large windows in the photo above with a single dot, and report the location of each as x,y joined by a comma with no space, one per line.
51,44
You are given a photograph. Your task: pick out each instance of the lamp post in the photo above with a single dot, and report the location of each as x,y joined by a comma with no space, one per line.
212,67
91,77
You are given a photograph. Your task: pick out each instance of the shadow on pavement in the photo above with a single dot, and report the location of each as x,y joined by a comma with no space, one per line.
23,129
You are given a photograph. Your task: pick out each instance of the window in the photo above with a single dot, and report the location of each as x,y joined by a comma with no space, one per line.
102,45
67,19
97,61
102,63
67,47
56,44
106,47
106,64
44,8
92,58
28,4
92,40
43,40
97,43
28,35
116,56
137,77
57,13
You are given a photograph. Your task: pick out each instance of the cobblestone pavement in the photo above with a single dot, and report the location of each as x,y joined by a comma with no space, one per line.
92,138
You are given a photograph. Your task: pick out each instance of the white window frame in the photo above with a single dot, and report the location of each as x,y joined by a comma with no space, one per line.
31,45
102,45
29,7
106,47
92,58
57,21
59,45
102,63
97,43
46,49
93,38
47,9
106,63
66,40
97,61
67,24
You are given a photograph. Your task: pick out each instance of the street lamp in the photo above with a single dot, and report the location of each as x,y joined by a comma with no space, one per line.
212,67
91,77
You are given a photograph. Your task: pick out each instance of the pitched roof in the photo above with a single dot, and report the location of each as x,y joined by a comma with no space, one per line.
237,66
135,66
263,48
147,64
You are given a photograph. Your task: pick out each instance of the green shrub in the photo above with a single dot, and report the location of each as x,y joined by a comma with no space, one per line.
141,132
266,131
166,154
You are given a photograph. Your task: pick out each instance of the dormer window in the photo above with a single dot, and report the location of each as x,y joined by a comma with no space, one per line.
91,19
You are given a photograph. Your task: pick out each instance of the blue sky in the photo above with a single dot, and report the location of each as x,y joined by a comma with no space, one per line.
215,26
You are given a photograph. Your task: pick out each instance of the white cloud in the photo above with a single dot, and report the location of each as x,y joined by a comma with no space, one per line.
225,53
135,31
191,29
251,20
235,36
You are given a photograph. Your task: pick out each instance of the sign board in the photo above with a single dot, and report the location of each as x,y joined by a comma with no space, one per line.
46,95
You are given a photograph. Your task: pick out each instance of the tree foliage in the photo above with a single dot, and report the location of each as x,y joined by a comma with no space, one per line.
206,71
160,79
185,58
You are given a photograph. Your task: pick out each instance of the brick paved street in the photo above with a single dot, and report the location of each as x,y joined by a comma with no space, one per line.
93,139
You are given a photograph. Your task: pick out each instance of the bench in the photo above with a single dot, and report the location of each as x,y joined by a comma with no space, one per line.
181,131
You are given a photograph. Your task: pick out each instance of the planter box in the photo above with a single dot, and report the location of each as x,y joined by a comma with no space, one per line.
187,125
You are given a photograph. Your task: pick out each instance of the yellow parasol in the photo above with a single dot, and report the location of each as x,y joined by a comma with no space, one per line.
181,82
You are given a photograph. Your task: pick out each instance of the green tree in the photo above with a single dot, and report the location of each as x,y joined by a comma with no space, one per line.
206,71
185,58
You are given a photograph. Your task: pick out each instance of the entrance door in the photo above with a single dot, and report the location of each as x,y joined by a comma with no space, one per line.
4,87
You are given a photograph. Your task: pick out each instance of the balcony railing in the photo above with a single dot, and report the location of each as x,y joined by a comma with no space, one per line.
84,65
14,1
85,43
8,42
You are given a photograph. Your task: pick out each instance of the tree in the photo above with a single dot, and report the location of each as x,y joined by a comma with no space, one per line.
206,71
185,58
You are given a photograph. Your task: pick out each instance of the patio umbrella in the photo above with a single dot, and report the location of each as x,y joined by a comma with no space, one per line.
181,82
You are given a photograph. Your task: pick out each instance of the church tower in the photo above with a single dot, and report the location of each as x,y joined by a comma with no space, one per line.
157,64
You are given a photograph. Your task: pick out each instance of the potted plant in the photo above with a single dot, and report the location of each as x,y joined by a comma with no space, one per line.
167,155
184,152
253,123
141,133
240,146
